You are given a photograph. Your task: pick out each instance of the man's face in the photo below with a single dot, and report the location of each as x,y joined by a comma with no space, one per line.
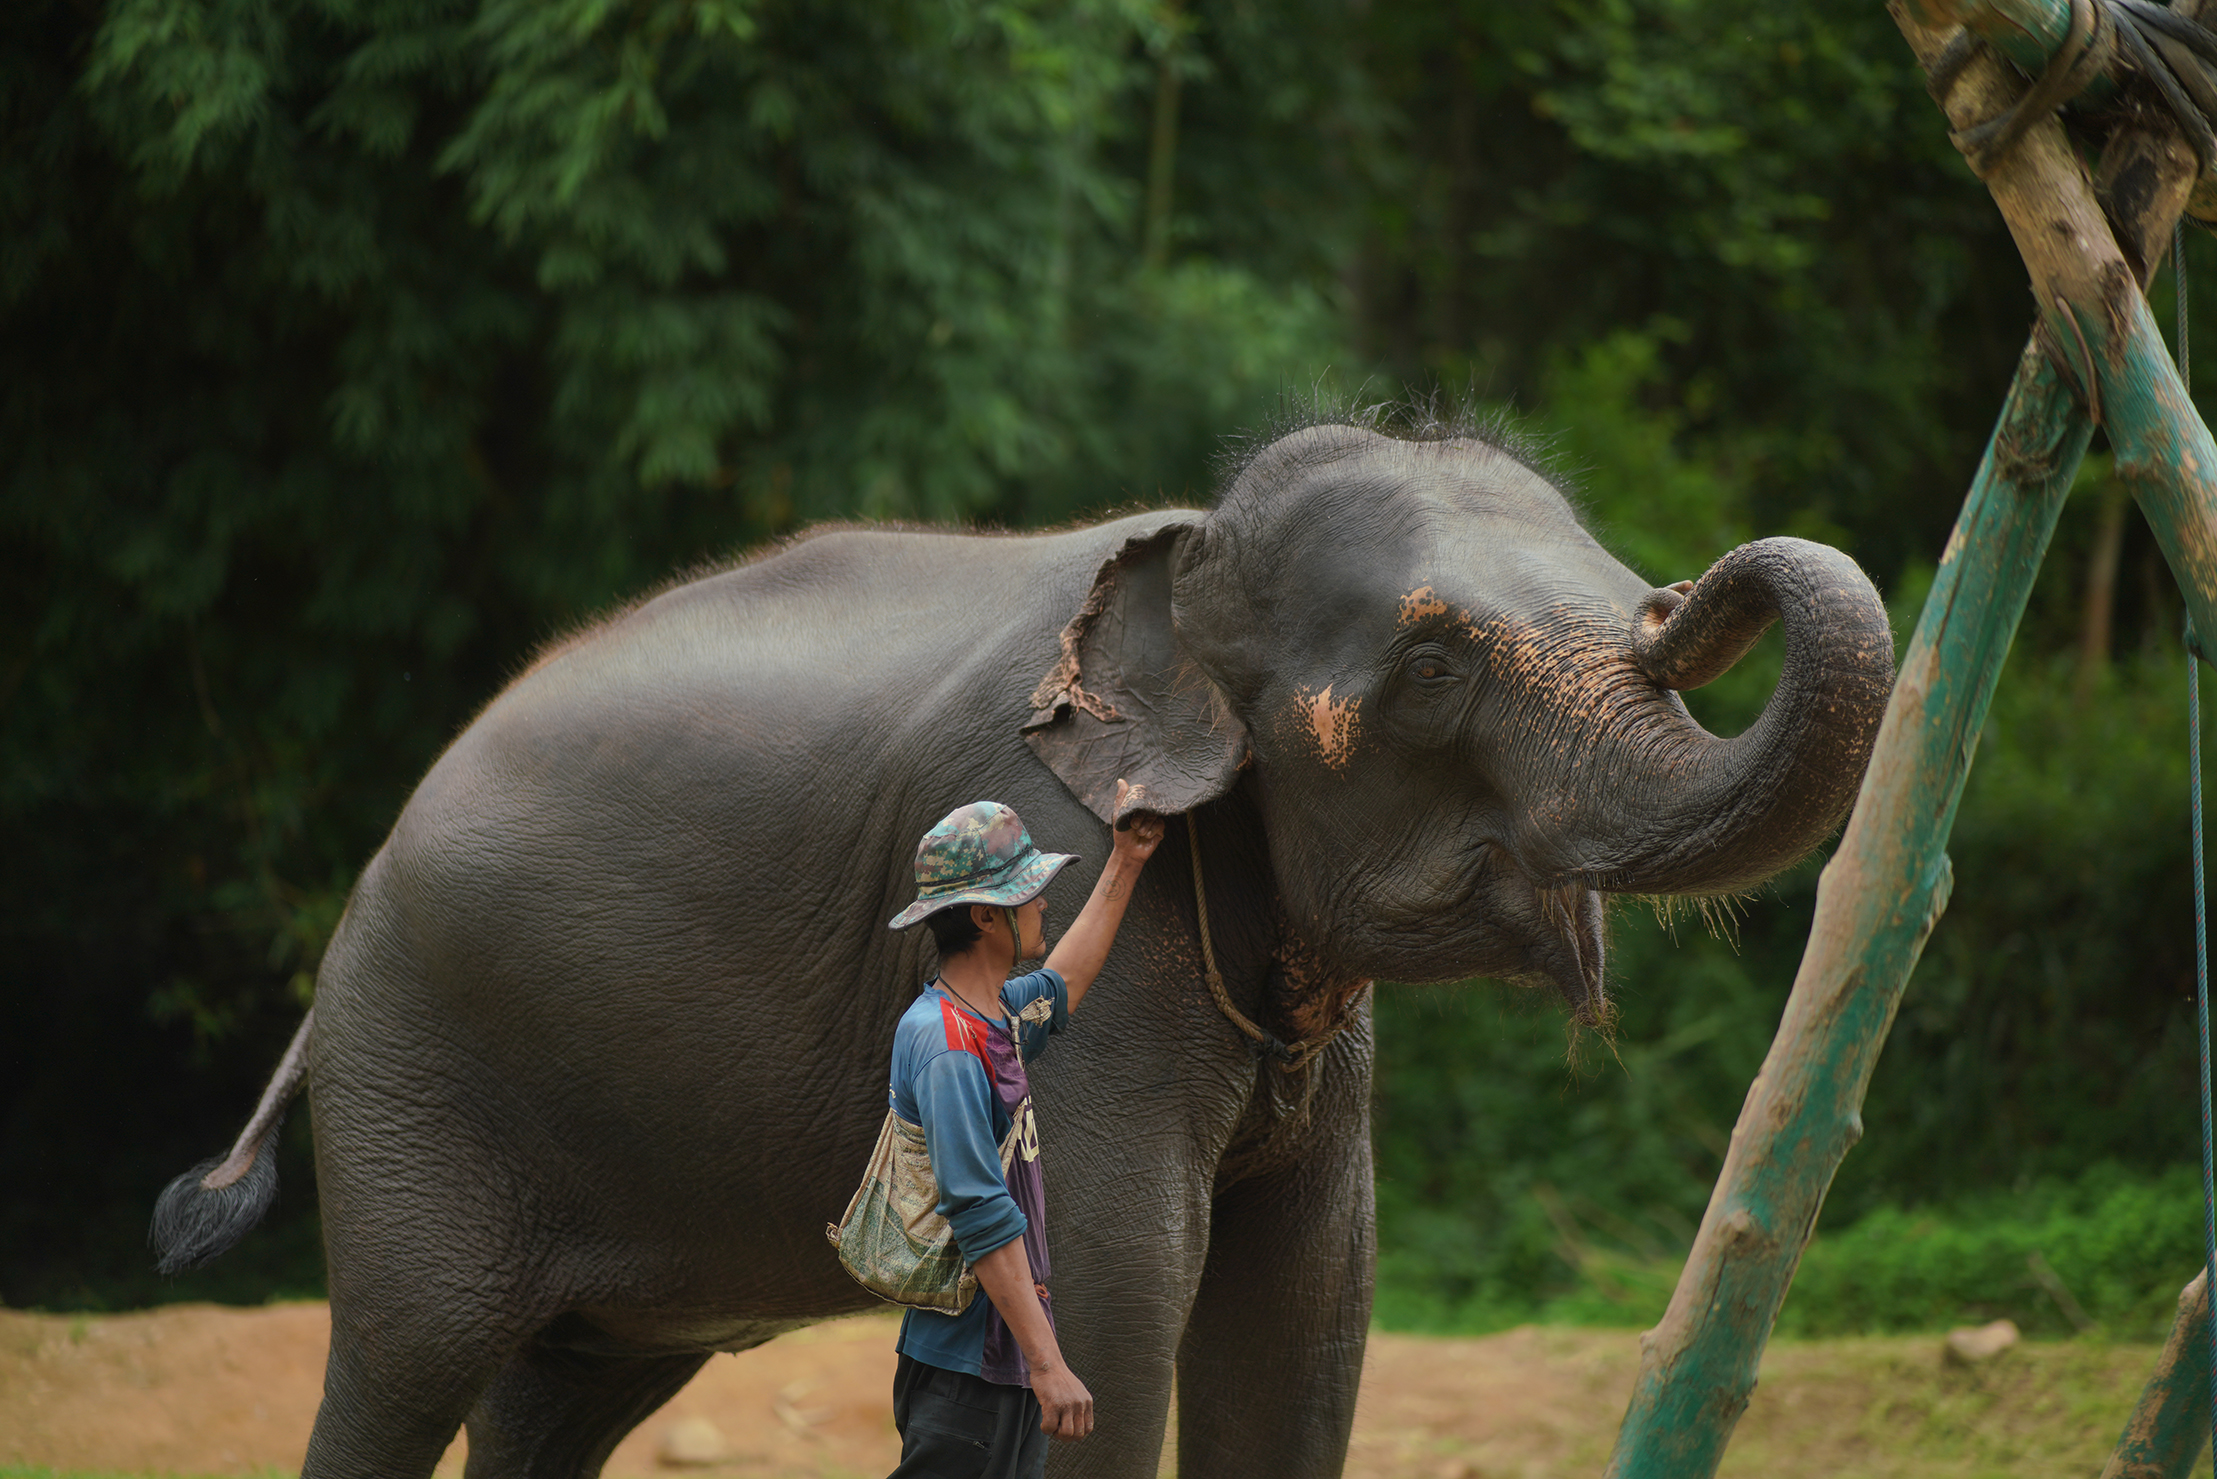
1031,918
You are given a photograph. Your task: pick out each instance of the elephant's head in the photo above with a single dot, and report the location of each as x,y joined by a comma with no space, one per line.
1457,709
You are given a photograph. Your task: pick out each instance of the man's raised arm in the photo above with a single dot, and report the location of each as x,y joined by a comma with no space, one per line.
1078,955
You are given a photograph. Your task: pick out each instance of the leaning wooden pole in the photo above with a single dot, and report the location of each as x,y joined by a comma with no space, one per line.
1889,880
2169,1428
1876,902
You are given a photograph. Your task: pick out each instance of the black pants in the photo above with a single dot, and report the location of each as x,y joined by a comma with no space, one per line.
957,1426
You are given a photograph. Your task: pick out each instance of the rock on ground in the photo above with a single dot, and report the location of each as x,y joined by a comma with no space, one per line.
1968,1345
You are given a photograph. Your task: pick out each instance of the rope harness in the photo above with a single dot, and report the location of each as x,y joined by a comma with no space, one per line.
2167,48
1293,1056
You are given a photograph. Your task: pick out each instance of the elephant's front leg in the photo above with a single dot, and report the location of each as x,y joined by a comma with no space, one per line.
1273,1351
1128,1237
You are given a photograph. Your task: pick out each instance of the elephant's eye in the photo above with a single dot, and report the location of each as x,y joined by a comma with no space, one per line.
1429,670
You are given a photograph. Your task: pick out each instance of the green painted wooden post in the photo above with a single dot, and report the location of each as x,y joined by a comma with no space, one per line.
2164,452
2167,1430
1888,881
1876,902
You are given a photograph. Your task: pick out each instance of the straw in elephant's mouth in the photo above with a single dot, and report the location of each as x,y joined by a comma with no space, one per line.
1574,912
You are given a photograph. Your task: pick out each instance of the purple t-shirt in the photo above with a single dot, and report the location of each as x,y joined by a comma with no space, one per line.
963,1079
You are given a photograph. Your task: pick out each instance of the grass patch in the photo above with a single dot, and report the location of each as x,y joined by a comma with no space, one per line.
2105,1253
1880,1407
1542,1402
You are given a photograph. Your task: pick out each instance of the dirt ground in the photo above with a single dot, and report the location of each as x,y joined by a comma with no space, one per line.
200,1390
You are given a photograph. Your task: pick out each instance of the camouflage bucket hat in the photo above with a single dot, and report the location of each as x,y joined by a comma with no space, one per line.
978,854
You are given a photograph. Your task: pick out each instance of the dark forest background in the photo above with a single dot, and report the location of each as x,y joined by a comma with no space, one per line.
351,348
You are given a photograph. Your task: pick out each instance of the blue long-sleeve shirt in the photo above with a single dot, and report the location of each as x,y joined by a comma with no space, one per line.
962,1078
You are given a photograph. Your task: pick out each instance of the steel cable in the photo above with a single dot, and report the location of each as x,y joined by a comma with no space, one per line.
2201,906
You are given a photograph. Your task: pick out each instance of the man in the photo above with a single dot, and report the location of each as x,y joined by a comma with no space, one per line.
978,1394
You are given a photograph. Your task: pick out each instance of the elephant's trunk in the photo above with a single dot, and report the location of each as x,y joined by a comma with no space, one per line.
1662,806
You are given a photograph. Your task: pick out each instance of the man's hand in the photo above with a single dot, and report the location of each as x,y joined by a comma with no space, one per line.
1138,835
1065,1406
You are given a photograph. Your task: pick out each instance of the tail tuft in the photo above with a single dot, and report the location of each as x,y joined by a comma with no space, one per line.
216,1203
194,1222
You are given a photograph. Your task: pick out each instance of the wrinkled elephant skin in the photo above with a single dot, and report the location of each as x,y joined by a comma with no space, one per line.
601,1043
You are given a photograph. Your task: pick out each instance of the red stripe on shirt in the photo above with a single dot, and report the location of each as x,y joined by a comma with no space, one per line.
965,1034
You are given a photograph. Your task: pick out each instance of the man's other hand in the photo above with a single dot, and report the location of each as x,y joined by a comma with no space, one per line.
1065,1406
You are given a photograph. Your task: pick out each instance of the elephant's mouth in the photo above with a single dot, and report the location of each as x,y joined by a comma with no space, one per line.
1572,949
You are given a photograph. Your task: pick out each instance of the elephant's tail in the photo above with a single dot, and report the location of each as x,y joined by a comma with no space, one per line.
203,1212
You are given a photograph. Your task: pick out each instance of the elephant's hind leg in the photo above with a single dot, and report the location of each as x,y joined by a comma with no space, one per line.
558,1414
393,1396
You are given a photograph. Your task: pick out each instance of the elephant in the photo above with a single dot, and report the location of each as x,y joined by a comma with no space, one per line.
600,1043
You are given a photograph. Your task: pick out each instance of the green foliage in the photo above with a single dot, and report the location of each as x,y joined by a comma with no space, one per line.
2051,1021
1773,181
2105,1247
1619,432
2105,1252
495,318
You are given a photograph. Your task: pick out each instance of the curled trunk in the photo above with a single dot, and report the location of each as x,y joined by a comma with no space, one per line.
1686,812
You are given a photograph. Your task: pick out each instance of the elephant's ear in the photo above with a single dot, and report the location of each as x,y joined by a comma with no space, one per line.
1126,699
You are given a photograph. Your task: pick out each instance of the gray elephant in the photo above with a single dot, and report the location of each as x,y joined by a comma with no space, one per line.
600,1044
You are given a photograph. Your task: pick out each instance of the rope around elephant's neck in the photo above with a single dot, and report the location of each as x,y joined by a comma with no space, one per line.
1293,1056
